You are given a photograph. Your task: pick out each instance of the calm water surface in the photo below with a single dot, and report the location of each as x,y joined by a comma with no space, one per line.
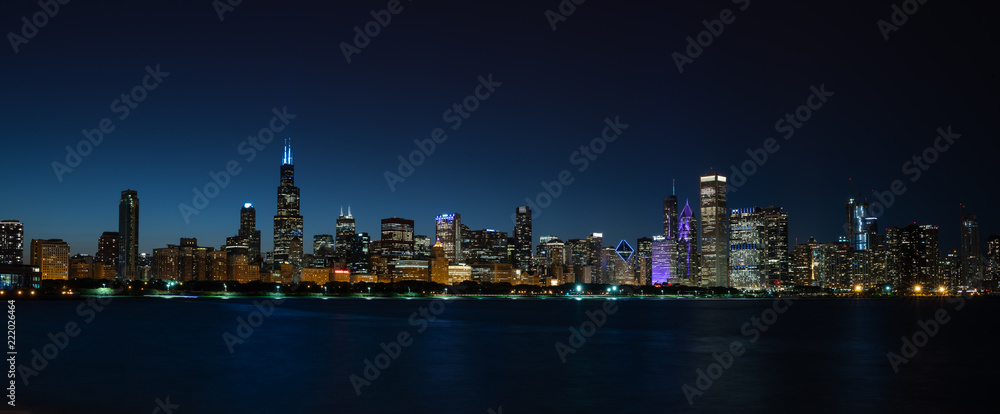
818,356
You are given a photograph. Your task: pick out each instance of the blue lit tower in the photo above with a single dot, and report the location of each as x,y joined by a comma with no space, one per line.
288,221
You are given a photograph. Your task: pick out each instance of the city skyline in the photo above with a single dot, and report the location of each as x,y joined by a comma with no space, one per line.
680,125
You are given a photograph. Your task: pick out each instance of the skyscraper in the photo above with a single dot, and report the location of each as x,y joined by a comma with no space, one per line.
661,260
746,249
671,228
992,271
972,256
397,238
11,242
758,247
323,250
345,233
128,235
857,226
522,238
775,259
714,232
687,244
288,221
449,233
107,254
248,230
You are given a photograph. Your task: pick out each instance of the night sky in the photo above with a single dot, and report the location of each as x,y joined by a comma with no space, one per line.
606,59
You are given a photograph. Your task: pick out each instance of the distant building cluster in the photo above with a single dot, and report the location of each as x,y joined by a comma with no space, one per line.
745,248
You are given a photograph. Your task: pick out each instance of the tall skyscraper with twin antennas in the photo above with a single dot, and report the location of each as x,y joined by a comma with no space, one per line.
288,221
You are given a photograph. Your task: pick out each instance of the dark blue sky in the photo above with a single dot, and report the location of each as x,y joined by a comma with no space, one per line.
607,59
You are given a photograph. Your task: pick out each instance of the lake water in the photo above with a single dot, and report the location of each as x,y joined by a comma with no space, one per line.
479,355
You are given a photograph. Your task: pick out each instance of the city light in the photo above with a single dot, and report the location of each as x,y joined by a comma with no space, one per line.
916,289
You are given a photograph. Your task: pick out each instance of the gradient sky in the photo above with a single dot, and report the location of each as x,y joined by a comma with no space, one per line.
608,58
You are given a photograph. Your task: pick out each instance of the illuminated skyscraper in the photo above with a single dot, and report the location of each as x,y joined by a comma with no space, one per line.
687,245
774,236
128,233
397,238
857,226
487,246
992,272
671,228
746,249
714,232
661,259
522,238
107,254
972,256
449,233
323,250
345,233
288,221
248,230
11,242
